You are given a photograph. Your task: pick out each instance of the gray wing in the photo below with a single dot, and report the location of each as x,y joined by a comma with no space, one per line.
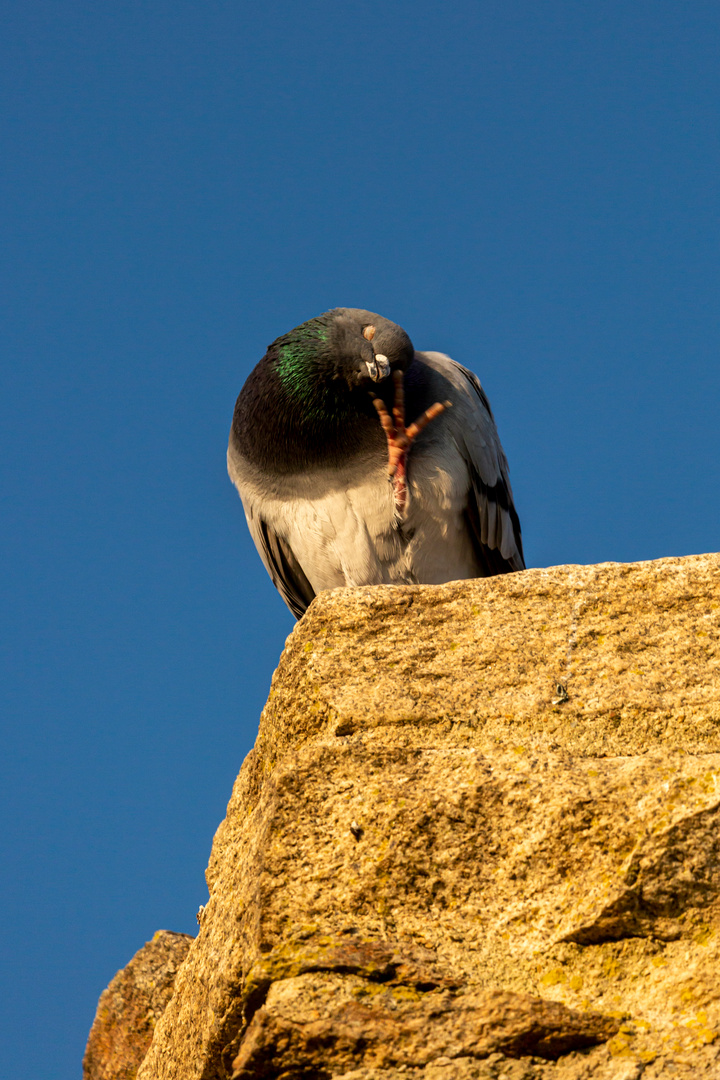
285,571
281,564
492,520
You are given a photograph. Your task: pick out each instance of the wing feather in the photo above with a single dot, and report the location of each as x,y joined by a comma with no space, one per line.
286,572
493,523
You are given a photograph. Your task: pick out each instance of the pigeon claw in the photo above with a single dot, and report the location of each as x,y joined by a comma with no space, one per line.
401,438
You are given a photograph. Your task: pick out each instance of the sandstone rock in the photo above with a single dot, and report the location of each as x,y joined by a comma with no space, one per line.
477,837
319,1021
130,1008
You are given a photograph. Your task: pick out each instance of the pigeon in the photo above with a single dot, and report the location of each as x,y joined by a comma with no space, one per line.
337,488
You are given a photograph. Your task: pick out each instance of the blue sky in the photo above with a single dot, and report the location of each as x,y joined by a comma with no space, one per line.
532,188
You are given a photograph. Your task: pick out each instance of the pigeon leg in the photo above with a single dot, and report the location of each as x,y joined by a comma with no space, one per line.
401,438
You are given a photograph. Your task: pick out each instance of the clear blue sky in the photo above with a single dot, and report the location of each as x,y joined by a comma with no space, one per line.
532,188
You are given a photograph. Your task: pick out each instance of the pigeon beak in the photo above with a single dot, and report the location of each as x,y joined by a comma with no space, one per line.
378,368
383,365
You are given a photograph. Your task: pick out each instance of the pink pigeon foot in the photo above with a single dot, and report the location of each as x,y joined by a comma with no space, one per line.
401,438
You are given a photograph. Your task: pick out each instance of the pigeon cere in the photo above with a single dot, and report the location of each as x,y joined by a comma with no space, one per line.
339,489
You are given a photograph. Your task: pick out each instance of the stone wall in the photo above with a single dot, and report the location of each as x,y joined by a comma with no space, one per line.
478,836
131,1006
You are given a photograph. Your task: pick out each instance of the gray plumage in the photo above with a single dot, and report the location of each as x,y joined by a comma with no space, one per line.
309,458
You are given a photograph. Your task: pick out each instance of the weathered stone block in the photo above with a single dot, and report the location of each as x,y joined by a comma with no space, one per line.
477,837
130,1008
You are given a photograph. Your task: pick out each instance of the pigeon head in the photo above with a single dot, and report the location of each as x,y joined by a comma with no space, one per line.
346,348
311,397
364,348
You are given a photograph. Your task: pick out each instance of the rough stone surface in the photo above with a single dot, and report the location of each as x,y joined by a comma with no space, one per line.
130,1008
325,1022
478,837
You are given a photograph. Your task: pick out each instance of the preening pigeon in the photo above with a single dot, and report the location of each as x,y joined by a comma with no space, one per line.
338,491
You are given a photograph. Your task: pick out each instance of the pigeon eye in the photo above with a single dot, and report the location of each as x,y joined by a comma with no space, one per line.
368,332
